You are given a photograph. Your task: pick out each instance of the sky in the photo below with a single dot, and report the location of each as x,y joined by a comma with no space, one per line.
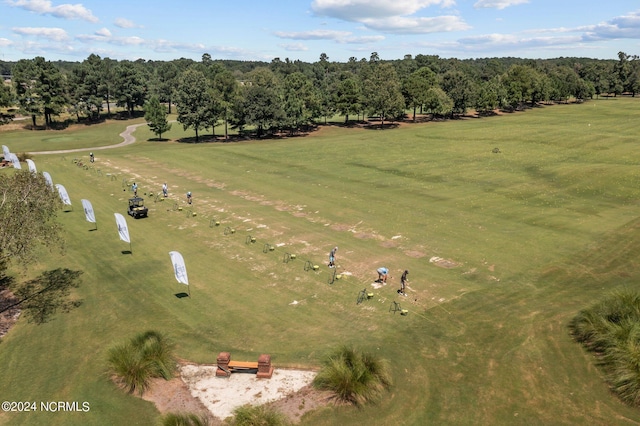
304,29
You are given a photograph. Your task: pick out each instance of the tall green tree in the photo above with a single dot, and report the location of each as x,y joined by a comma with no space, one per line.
130,86
460,88
301,100
518,82
6,100
193,100
437,102
262,104
347,97
155,114
40,88
226,90
165,76
381,90
28,210
263,108
416,86
87,87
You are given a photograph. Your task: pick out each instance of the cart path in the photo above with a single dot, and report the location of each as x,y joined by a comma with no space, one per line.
126,135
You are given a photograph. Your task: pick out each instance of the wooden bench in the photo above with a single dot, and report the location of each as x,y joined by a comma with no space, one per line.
242,365
263,368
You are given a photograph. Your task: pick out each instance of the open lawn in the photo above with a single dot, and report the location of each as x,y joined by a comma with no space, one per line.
528,236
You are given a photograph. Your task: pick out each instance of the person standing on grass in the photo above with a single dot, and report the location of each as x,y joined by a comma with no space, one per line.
382,275
332,257
134,188
91,158
189,197
403,282
165,190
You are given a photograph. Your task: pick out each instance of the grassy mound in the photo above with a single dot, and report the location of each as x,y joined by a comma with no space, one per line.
611,329
355,377
148,355
261,415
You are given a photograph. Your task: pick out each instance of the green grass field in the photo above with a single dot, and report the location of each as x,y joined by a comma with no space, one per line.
533,234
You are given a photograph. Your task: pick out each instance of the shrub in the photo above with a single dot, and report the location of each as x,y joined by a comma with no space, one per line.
184,419
260,415
146,356
611,329
355,377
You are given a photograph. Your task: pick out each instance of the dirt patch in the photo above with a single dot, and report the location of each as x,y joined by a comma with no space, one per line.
198,390
9,317
306,399
444,263
173,396
364,236
341,227
415,253
388,244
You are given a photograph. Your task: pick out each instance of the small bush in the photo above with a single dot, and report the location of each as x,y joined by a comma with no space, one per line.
260,415
611,329
184,419
146,356
355,377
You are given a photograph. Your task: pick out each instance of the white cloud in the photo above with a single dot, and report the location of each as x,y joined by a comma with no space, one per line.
125,23
45,7
127,41
313,35
54,34
5,42
391,16
342,37
362,39
294,47
103,32
411,25
626,26
357,10
498,4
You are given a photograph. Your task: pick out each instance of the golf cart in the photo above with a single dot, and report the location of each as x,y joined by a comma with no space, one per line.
137,208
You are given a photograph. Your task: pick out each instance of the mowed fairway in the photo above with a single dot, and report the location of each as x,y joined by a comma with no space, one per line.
532,234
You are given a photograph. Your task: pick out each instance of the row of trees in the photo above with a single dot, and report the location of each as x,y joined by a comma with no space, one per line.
289,95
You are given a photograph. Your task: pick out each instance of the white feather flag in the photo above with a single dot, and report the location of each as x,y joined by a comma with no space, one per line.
47,177
63,194
32,166
88,211
179,267
15,161
123,231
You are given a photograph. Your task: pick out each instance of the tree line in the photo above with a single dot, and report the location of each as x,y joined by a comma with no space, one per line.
289,95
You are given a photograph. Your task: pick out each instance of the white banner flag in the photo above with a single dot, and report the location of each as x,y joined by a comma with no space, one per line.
6,153
88,211
122,228
179,267
32,166
47,177
15,161
63,194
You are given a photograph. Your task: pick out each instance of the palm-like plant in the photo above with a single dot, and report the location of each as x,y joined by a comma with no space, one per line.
260,415
355,377
135,363
611,328
184,419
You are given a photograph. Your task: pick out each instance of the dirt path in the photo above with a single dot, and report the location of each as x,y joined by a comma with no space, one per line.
126,135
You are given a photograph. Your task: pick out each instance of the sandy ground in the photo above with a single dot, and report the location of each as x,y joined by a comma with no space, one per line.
198,390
